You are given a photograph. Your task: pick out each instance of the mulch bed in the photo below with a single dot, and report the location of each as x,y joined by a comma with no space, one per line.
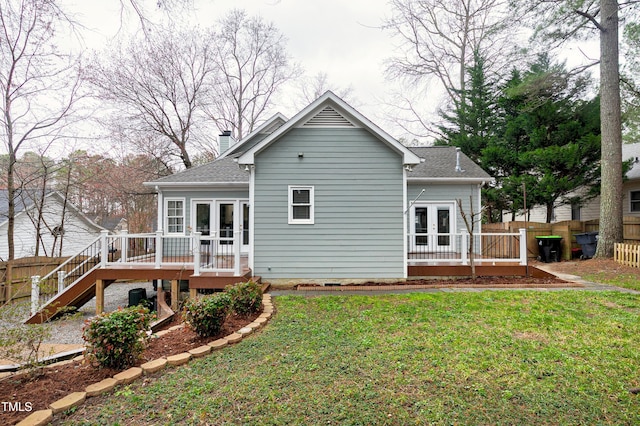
479,282
58,381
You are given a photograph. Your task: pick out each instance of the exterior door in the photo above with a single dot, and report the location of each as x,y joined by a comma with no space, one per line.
431,224
231,217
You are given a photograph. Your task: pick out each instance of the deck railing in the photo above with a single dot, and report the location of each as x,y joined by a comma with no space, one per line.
202,253
211,253
457,248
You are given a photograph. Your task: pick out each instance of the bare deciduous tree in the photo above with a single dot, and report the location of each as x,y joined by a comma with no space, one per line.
160,86
39,85
253,65
438,39
311,88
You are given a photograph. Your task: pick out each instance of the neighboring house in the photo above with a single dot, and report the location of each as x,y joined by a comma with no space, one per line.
59,236
114,224
590,209
325,195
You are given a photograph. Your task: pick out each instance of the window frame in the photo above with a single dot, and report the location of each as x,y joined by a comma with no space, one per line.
167,217
632,201
311,204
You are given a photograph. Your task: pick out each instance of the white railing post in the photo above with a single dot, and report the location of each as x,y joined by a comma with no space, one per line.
104,248
237,241
464,247
61,277
196,253
523,246
158,249
35,294
124,249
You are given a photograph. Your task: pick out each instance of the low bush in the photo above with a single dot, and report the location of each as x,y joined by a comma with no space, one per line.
246,298
206,315
116,339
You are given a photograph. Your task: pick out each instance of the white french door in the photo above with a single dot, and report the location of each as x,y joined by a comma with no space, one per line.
223,219
431,224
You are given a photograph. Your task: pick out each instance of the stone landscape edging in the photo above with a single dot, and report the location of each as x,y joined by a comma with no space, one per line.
76,399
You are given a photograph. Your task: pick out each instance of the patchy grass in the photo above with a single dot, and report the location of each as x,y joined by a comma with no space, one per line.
629,281
566,357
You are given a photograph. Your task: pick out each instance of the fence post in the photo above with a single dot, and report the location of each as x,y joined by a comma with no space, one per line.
158,248
464,247
124,249
61,277
237,241
35,294
104,249
523,246
196,253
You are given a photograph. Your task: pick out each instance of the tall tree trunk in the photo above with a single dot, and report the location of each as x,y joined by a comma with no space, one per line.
611,195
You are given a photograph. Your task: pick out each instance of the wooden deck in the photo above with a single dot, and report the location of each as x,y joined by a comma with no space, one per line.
93,284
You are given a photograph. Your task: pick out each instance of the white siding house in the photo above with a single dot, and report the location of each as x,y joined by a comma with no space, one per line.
591,209
60,234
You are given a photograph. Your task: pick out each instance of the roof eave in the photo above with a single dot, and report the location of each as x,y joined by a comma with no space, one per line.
198,184
479,180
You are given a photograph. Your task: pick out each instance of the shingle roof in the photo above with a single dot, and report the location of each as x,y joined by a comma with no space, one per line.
223,170
24,200
440,162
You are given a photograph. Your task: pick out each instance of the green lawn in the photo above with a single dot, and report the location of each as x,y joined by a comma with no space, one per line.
566,357
629,281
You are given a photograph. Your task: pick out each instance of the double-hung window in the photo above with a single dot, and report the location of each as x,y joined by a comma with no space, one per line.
301,202
634,198
175,216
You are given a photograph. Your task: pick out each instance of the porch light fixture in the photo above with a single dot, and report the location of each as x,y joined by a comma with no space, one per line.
301,155
246,168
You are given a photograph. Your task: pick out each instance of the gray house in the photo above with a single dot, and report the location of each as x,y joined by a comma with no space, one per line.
325,196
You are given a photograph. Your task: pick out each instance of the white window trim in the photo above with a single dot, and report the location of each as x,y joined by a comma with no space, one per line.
166,215
309,221
631,201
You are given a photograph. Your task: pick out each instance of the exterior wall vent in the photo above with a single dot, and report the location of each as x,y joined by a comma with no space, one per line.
328,117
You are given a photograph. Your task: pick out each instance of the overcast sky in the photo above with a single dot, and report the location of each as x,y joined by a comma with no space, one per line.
341,38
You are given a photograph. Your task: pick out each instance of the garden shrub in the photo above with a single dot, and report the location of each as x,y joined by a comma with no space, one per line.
206,315
116,339
246,298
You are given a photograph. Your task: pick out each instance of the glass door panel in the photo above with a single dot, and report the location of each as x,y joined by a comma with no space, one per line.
225,222
444,226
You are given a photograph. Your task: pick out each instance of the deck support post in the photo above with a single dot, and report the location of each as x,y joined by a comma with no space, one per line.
237,241
193,293
159,297
175,293
523,246
99,297
196,253
158,248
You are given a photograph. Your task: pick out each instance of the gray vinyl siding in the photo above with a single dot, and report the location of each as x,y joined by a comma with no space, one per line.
446,193
358,185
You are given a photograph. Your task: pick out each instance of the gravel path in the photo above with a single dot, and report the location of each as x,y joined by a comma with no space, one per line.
69,331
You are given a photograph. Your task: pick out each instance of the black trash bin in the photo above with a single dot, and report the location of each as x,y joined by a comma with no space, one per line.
136,296
549,248
588,241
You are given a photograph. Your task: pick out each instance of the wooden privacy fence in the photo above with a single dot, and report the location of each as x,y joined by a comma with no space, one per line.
627,254
566,229
15,275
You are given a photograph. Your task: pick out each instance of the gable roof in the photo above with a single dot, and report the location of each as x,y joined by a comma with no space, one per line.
317,114
26,199
265,128
440,165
